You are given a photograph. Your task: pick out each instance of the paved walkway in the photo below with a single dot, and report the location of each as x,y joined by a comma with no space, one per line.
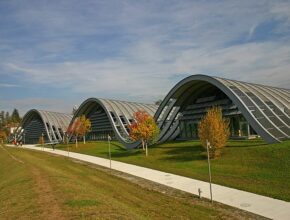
261,205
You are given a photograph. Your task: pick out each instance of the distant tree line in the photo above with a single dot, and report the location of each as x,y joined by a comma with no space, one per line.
7,121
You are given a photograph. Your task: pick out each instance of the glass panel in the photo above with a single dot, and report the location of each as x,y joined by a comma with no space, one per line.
235,127
244,128
188,129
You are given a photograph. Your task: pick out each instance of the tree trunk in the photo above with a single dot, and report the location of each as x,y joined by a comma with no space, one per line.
146,149
84,139
76,142
143,144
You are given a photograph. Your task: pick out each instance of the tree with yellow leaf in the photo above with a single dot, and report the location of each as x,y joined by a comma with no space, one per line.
215,129
85,127
3,136
79,128
144,129
41,140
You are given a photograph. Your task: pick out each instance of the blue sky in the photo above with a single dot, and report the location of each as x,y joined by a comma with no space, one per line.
55,54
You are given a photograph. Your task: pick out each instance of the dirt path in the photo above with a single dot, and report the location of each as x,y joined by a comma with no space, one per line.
46,199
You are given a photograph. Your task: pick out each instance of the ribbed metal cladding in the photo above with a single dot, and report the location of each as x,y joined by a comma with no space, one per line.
112,117
52,125
265,108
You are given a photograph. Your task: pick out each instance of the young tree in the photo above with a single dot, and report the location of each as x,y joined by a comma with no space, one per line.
73,129
215,129
85,126
41,140
3,136
144,129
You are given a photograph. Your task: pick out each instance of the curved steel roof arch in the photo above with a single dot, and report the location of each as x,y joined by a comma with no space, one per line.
118,110
265,108
55,124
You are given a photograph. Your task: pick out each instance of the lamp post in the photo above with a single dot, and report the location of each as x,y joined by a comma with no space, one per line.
109,142
42,141
209,171
66,135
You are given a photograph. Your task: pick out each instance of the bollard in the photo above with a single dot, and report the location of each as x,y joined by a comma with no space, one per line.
199,193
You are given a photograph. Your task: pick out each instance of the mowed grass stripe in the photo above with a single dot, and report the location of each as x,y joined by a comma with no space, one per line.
17,195
78,191
250,165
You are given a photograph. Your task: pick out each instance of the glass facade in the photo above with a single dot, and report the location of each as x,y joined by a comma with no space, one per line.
239,127
188,129
101,135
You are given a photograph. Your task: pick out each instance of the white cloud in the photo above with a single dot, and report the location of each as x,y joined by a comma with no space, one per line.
142,74
282,11
8,85
137,51
26,104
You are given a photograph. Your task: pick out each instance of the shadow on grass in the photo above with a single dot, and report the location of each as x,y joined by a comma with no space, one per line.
183,154
126,153
245,144
120,151
119,146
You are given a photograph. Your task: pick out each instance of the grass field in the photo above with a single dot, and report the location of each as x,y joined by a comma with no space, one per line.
250,165
37,185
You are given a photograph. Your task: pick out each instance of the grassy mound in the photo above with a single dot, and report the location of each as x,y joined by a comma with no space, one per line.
37,185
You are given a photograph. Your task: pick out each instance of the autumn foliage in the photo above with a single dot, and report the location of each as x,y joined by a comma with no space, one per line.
85,127
144,129
41,140
215,129
79,128
3,136
72,128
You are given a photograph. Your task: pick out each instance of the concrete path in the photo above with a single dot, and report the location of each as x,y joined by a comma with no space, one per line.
261,205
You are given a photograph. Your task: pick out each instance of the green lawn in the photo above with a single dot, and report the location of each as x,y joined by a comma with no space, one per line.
38,185
250,165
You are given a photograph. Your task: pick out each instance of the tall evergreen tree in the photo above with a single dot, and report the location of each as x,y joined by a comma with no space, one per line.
2,116
7,118
15,116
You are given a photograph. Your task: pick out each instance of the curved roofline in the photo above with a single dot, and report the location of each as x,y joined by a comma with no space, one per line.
116,107
265,108
53,119
238,92
220,83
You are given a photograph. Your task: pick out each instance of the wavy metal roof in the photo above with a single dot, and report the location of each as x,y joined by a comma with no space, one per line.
53,124
265,108
119,114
